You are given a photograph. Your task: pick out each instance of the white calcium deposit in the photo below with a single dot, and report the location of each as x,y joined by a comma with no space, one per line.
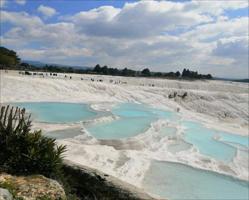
220,105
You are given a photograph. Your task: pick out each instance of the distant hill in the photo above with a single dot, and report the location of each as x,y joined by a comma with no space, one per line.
42,64
230,79
242,80
34,63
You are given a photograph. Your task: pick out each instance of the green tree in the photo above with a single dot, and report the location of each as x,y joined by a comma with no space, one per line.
178,74
97,68
146,72
8,57
105,70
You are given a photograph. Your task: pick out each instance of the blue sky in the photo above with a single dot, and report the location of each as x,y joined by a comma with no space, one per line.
207,36
63,6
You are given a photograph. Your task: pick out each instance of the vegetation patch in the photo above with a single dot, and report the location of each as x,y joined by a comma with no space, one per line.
24,151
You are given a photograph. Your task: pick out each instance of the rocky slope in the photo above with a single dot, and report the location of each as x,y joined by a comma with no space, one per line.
85,182
30,188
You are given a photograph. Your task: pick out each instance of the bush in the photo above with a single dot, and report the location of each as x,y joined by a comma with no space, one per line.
23,151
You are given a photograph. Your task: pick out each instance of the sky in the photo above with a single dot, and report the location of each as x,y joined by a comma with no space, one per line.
205,36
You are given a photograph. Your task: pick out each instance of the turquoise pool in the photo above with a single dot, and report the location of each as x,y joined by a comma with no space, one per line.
178,182
58,112
163,178
133,120
204,139
234,139
121,128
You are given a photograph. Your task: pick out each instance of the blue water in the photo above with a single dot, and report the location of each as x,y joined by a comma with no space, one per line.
170,180
140,110
121,128
179,182
234,139
203,138
133,120
58,112
132,110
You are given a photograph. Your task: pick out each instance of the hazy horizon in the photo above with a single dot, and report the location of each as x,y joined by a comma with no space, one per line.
74,66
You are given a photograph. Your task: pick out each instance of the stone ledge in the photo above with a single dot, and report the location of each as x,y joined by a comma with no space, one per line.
32,187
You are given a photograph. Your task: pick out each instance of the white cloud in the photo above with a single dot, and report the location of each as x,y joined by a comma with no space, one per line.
46,11
140,19
215,8
219,29
232,47
2,3
236,50
22,19
162,35
21,2
59,54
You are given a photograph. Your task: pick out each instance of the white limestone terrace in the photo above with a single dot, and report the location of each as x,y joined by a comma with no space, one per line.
220,104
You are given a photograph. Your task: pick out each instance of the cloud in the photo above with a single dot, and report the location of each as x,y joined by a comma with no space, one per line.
2,3
236,50
21,2
140,19
219,29
161,35
233,48
146,18
22,19
59,54
214,8
46,11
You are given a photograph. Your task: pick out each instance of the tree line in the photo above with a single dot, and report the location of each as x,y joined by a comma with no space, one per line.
186,73
10,60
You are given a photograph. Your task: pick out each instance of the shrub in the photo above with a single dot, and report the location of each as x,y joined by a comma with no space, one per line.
23,151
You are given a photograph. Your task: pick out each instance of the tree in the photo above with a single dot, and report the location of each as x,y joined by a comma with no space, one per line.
146,72
105,70
125,72
184,72
178,74
208,76
114,71
8,57
97,68
158,74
